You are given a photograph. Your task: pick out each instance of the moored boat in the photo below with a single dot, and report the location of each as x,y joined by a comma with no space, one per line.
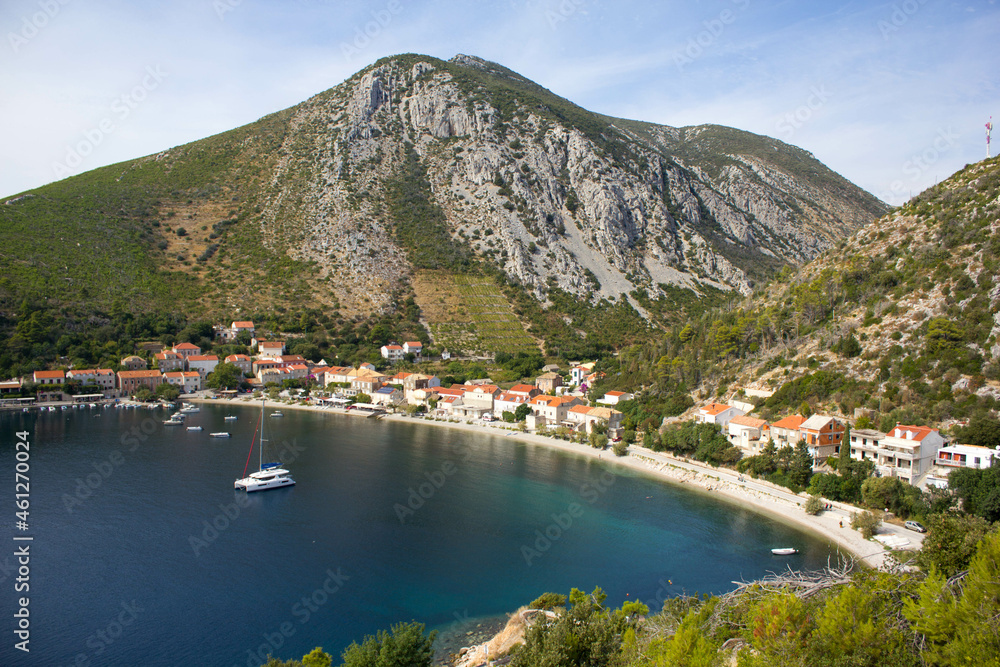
220,434
269,475
784,551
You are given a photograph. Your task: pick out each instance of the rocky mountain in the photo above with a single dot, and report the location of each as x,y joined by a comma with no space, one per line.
418,163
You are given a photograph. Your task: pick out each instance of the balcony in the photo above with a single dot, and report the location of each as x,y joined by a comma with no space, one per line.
905,454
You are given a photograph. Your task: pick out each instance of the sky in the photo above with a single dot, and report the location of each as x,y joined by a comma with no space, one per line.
892,95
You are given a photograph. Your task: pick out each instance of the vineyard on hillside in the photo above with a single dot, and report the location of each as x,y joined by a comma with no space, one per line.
469,314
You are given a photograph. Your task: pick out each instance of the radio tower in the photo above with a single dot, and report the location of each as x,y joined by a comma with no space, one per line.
989,128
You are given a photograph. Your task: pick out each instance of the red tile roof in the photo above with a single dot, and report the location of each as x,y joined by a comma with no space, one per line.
792,423
919,432
186,346
48,375
752,422
713,409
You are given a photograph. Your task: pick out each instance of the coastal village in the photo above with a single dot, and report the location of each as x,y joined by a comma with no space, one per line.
556,403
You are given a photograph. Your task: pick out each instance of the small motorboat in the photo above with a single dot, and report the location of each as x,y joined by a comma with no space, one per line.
173,422
229,418
221,434
194,428
784,551
276,413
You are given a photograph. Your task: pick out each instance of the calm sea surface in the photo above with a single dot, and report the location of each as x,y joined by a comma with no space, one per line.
144,554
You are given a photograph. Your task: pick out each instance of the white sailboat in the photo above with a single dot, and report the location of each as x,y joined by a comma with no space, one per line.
268,475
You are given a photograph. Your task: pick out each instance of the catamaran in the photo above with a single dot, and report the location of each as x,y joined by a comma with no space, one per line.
268,475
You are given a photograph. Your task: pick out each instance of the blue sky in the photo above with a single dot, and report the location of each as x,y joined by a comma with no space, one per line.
893,95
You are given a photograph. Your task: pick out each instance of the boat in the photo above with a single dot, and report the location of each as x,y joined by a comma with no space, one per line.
230,418
268,475
277,413
220,434
190,409
194,428
784,551
173,422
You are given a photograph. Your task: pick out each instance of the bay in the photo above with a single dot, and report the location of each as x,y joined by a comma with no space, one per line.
143,553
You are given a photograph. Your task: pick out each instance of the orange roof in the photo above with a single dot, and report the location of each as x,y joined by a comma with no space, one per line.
485,388
298,367
450,391
744,420
919,432
552,401
50,374
243,325
512,398
582,409
139,374
713,409
523,388
237,357
614,393
792,423
186,346
166,355
414,344
203,357
270,343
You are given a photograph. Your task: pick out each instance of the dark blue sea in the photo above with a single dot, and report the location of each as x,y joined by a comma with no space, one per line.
143,553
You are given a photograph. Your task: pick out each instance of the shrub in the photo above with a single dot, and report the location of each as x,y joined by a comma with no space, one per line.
866,523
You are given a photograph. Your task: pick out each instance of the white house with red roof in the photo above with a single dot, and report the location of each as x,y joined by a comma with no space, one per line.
551,410
717,413
187,381
49,377
270,348
615,397
508,402
415,348
584,418
529,391
908,452
104,378
748,433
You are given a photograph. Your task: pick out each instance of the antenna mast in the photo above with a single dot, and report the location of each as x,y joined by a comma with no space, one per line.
989,128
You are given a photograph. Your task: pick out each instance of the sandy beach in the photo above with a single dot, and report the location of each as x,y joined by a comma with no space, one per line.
758,495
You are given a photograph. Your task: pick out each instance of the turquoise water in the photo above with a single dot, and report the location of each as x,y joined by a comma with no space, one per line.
144,554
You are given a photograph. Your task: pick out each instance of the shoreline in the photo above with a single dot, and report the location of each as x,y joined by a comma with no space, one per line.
757,495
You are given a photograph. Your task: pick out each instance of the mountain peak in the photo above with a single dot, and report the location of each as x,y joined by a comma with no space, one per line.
404,167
